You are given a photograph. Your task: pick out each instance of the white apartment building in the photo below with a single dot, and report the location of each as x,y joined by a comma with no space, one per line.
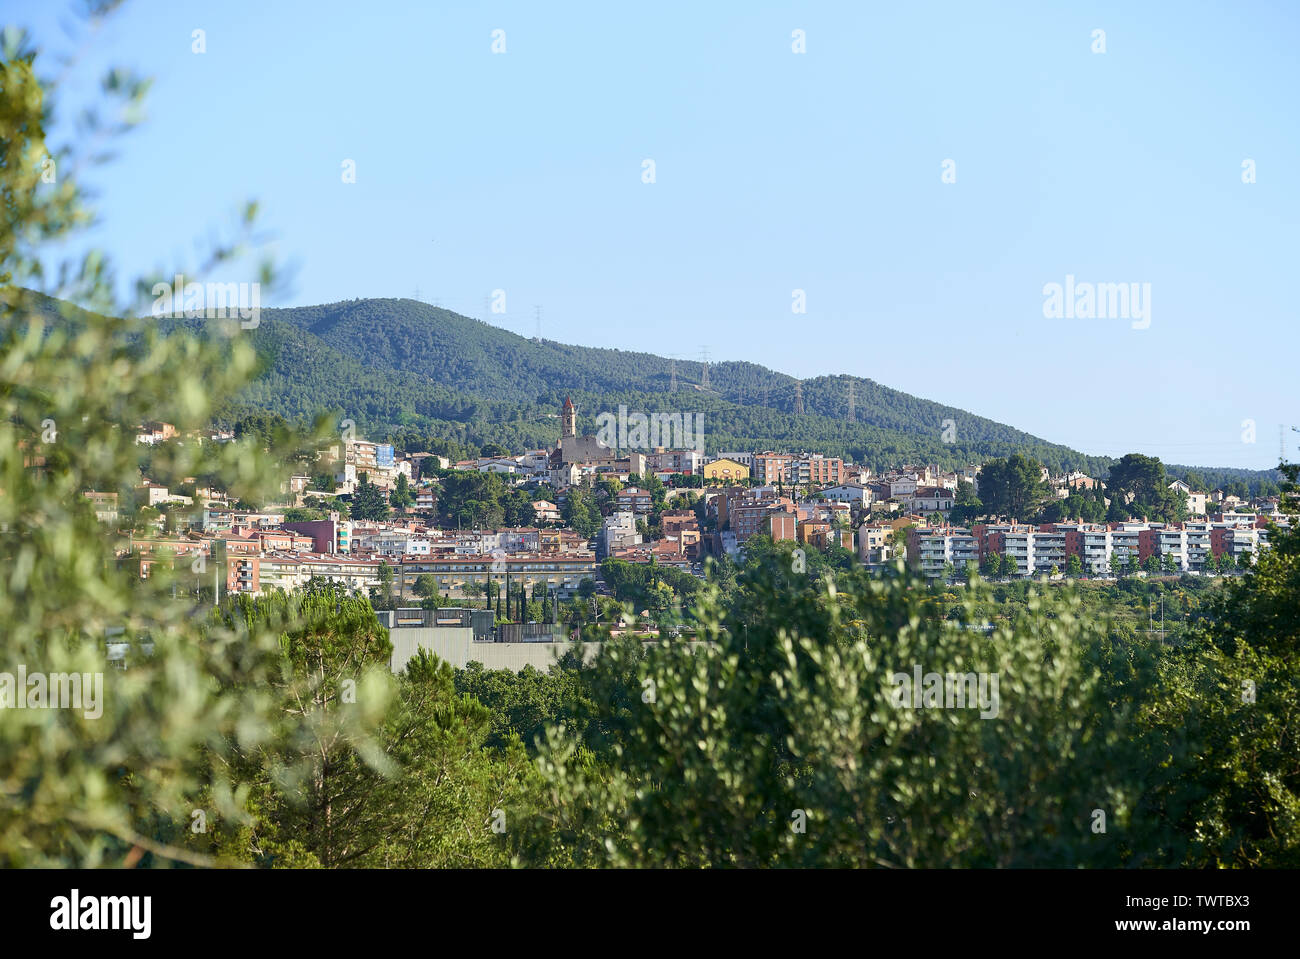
744,459
391,542
901,486
1018,543
849,493
964,548
506,466
676,461
1174,542
535,461
1124,541
1049,551
1037,551
1197,544
1235,519
934,554
1096,550
931,499
938,548
1244,543
619,532
281,572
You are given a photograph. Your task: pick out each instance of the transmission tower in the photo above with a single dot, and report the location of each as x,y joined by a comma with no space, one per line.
672,388
852,405
704,360
537,311
798,397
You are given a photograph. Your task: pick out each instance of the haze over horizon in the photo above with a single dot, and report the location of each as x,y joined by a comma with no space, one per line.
522,171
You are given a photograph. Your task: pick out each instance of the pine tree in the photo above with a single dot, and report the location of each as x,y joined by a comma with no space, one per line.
368,502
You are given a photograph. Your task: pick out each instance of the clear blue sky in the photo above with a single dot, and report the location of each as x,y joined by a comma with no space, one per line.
775,171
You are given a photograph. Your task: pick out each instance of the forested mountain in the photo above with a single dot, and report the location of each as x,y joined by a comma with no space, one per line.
401,364
431,379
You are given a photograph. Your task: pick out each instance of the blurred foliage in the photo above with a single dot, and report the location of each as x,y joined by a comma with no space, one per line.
76,380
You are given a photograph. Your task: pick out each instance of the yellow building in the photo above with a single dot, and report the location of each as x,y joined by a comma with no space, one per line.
725,470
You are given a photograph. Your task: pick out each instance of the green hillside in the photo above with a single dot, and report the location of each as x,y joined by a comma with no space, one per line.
505,388
430,379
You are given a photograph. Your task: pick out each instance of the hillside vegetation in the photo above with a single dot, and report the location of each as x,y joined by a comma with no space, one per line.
430,379
401,363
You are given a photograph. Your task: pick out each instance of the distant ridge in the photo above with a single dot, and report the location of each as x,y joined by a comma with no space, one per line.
399,363
404,369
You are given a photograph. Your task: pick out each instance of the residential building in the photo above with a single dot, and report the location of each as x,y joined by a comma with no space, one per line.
816,470
932,550
619,532
772,468
930,499
725,470
635,499
328,535
546,511
849,493
104,505
675,461
463,577
744,459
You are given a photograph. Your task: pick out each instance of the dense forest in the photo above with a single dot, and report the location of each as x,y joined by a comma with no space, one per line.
430,380
493,386
403,369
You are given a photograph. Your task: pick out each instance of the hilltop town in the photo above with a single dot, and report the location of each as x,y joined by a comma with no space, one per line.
410,528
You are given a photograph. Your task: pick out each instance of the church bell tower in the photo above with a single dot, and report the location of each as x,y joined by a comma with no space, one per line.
569,419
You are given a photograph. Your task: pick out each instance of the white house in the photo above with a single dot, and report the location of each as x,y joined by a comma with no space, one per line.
546,511
1195,501
849,493
931,499
901,486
